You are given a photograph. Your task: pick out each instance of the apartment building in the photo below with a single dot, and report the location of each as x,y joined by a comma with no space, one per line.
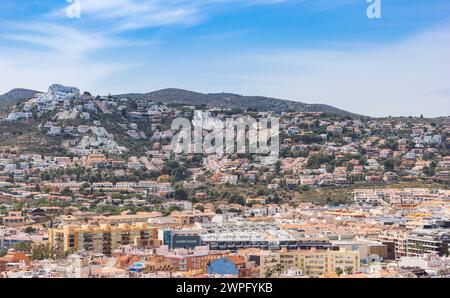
139,217
13,219
187,218
428,241
399,239
268,263
369,250
266,236
103,239
320,262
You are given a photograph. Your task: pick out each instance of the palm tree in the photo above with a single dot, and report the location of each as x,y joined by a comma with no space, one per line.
278,268
269,273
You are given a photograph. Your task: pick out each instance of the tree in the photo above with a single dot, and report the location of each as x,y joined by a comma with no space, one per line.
172,209
180,194
251,203
389,165
67,192
117,196
200,208
431,170
339,271
427,171
41,252
237,199
278,167
179,174
177,171
86,189
23,247
316,160
269,273
30,230
278,268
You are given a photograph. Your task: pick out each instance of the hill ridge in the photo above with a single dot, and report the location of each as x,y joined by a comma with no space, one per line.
232,100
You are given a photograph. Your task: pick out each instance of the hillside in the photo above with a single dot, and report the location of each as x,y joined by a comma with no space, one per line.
228,100
13,96
63,120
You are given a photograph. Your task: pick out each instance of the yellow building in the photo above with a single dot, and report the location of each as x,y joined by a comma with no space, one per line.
320,262
269,264
104,238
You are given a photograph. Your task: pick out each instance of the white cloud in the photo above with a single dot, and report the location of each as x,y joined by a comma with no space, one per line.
38,70
35,54
132,14
61,40
48,53
410,77
404,78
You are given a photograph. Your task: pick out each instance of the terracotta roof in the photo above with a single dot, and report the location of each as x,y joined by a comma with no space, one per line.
236,260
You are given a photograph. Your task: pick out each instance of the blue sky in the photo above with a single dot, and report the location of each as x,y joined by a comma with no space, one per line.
316,51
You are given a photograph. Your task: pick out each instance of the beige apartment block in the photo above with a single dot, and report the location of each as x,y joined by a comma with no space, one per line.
104,238
320,262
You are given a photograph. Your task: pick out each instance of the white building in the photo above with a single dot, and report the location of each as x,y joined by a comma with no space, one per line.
59,93
18,116
2,236
55,130
430,263
185,205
